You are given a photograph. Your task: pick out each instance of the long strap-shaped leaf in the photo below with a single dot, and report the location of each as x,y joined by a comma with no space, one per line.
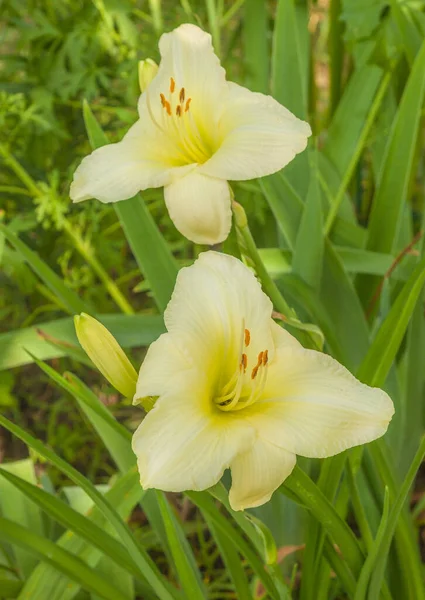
149,247
117,439
76,522
396,171
47,582
146,566
130,331
58,557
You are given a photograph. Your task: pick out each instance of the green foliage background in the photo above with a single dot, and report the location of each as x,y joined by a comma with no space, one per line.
340,252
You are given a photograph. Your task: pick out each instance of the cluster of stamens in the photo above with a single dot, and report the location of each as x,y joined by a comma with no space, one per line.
181,106
245,379
177,122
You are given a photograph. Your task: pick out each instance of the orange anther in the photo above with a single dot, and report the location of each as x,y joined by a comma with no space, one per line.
244,362
182,96
167,107
247,337
254,372
172,85
187,104
260,358
178,110
265,357
163,100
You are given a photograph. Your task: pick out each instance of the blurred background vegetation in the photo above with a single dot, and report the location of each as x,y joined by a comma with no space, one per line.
340,64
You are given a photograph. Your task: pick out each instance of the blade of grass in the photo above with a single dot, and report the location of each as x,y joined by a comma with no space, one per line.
207,507
184,560
147,568
62,560
256,47
307,260
74,521
372,557
46,582
377,573
15,506
290,63
395,173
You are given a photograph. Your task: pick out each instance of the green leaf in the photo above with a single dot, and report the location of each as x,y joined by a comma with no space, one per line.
231,560
70,300
308,254
9,588
390,527
182,554
147,243
115,436
62,560
210,510
290,63
392,187
14,505
409,33
147,568
130,331
372,557
73,520
256,47
45,581
347,125
382,352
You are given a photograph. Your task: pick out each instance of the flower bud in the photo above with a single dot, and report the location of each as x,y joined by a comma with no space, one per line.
239,215
106,354
147,71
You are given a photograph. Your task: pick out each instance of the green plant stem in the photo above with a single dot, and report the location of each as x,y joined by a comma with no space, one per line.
79,244
156,12
88,255
249,248
214,24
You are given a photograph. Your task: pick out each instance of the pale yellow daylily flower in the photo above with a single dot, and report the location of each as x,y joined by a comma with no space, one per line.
196,131
236,390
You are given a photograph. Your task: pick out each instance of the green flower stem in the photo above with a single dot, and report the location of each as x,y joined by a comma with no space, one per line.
89,256
249,249
79,244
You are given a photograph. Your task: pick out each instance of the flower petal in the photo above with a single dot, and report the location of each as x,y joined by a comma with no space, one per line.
118,171
313,406
258,136
187,55
257,473
163,368
184,443
213,301
200,208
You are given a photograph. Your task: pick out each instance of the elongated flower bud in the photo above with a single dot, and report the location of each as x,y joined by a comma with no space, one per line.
106,354
147,71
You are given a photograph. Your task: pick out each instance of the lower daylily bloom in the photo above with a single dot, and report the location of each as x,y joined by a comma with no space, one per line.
236,390
195,131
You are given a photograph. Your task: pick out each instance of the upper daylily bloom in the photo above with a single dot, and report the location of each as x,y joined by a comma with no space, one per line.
236,390
196,131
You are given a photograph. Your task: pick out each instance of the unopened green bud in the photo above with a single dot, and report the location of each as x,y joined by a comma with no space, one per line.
106,354
147,71
239,214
